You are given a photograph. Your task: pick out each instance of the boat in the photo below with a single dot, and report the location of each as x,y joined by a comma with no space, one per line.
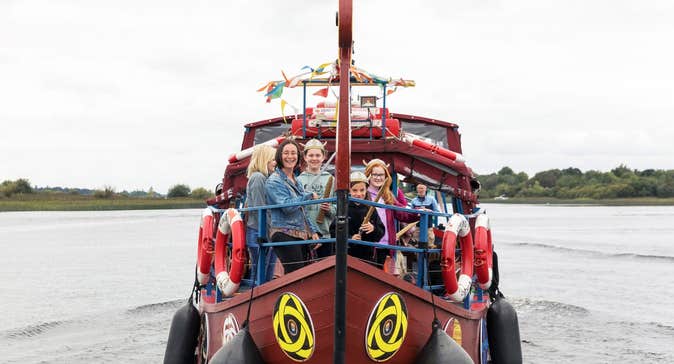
340,309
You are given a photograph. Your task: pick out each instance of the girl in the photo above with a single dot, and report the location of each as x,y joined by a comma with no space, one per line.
315,180
380,179
371,230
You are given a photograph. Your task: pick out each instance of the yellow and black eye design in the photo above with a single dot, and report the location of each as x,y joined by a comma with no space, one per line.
293,328
386,328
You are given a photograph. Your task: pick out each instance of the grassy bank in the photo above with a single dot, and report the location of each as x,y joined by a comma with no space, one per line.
636,201
65,202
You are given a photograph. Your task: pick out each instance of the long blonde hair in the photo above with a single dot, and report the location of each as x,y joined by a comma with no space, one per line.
262,154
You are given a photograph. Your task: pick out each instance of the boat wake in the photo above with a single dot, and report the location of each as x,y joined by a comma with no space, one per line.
152,307
665,258
32,330
123,335
558,308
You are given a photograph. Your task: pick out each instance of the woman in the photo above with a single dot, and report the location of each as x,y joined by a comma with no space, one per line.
289,223
261,164
380,179
317,181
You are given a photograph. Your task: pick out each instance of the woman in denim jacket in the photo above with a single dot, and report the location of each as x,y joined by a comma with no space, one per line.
289,223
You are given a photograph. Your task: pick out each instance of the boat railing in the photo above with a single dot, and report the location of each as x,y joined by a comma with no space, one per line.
422,251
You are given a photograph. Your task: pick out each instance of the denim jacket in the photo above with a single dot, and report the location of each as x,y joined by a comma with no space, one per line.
280,190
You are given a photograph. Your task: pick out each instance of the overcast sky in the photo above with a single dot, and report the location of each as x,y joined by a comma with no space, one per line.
136,94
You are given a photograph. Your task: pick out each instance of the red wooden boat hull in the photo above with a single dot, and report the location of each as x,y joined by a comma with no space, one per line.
314,286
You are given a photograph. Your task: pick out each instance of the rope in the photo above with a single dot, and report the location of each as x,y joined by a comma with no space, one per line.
250,304
436,322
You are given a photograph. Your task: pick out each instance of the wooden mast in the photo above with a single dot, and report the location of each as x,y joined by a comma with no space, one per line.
342,174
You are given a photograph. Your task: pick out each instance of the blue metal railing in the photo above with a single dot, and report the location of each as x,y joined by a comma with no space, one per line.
422,251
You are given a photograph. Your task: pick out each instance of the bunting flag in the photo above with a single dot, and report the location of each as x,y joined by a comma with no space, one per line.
267,87
403,83
285,103
294,81
322,92
320,70
361,75
276,91
283,106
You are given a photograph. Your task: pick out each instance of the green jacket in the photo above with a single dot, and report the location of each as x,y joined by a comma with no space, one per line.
316,183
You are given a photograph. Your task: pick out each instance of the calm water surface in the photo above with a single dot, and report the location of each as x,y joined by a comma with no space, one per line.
590,284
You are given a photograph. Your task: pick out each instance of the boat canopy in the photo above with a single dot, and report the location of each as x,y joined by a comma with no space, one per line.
411,162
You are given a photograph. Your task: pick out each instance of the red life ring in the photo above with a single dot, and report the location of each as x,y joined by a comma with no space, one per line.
457,226
205,247
483,252
228,276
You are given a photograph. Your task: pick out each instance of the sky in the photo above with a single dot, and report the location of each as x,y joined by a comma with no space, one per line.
134,94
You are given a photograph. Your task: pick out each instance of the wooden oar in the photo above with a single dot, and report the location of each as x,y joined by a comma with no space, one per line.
405,229
326,194
376,199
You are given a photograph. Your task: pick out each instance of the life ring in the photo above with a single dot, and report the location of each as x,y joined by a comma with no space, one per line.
483,252
228,276
205,246
457,226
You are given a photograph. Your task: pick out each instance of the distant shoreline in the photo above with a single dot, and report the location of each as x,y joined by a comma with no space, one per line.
87,203
636,201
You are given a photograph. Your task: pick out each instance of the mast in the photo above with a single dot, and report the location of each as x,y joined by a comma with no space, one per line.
342,174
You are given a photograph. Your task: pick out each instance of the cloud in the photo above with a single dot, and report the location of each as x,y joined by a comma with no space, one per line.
152,93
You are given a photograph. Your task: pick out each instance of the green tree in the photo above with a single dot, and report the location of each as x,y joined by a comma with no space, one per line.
20,186
201,193
621,171
106,192
179,190
548,178
505,171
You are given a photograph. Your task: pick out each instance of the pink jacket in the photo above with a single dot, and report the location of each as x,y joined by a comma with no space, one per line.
392,215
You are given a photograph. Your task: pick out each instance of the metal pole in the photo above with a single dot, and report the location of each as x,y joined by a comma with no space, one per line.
341,235
342,172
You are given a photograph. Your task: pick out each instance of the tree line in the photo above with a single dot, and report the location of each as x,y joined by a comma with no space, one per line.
569,183
22,186
572,183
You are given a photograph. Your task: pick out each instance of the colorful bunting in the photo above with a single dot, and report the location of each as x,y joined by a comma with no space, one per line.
322,92
274,89
275,92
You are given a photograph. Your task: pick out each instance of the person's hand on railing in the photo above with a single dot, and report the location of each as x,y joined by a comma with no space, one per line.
315,236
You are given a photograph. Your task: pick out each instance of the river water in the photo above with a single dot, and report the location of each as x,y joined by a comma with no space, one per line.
590,284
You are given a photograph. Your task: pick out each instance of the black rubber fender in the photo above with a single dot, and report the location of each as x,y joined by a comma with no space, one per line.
241,349
183,335
440,348
504,333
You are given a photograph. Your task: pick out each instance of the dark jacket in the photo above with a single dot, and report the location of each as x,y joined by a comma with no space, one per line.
357,213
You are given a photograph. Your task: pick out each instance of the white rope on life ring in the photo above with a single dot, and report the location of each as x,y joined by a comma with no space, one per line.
228,274
457,226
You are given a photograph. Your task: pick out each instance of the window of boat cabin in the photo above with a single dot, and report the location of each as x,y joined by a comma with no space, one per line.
409,188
